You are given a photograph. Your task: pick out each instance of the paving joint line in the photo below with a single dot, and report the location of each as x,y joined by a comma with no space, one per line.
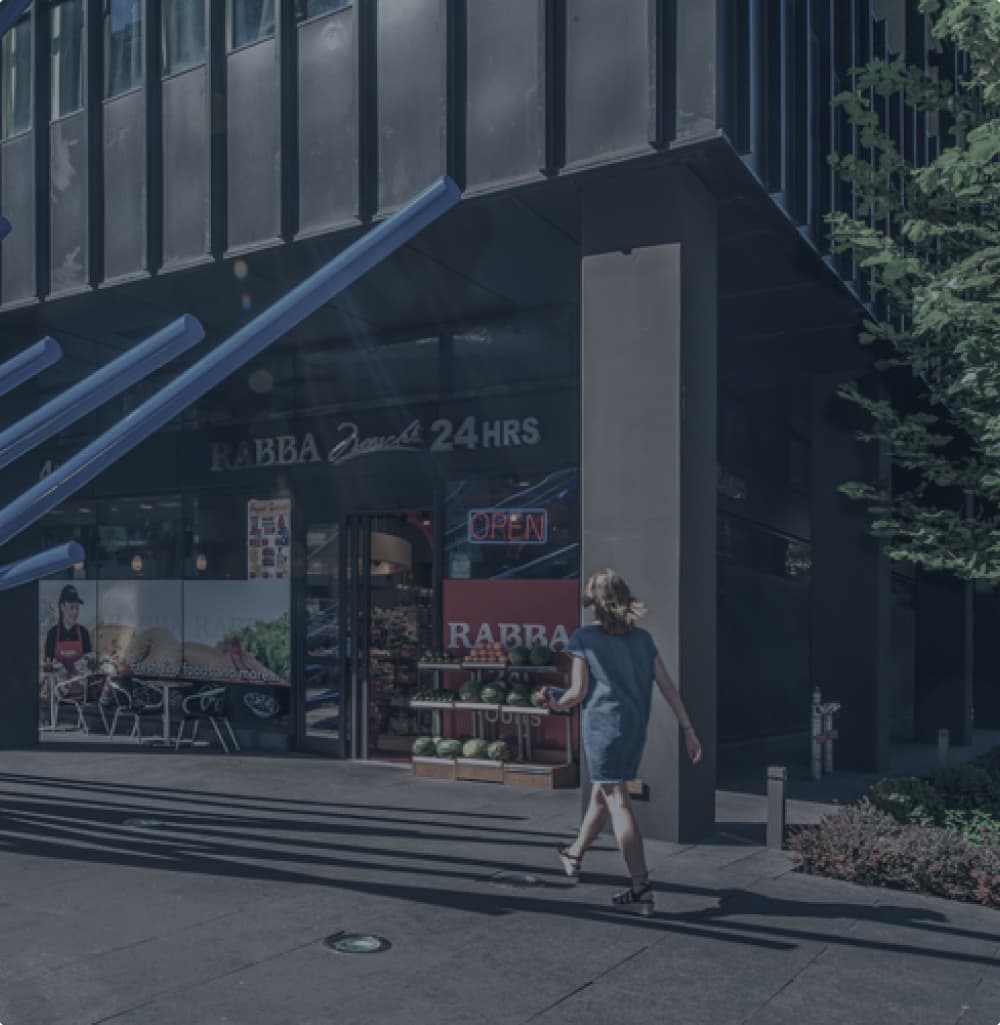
586,985
788,982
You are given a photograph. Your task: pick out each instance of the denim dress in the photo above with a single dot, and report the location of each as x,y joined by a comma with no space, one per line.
616,708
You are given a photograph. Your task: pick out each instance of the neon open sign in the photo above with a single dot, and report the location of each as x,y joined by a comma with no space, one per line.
508,527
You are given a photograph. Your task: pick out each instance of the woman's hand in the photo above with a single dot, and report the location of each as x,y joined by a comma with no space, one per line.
693,745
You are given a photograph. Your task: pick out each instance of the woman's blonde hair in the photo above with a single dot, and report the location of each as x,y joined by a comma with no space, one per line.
615,607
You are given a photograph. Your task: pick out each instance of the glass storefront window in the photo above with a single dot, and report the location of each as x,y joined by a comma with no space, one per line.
140,538
183,34
250,20
215,537
16,61
122,46
513,528
67,58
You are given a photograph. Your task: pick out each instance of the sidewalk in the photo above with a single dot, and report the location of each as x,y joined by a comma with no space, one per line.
215,913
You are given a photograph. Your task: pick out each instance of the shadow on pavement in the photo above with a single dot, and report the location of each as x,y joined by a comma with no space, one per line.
216,844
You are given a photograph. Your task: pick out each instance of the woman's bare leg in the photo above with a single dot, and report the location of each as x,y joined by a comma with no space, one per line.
627,833
593,823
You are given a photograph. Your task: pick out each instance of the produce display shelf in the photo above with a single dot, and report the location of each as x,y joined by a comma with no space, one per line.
453,666
535,669
479,706
432,704
485,665
526,710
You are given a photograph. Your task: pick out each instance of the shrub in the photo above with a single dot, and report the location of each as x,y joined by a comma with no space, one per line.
865,845
909,799
968,787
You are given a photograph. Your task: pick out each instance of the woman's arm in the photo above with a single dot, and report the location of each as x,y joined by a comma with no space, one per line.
676,702
579,682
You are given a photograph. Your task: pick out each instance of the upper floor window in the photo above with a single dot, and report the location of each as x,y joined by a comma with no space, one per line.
314,8
67,53
250,20
122,46
183,34
16,83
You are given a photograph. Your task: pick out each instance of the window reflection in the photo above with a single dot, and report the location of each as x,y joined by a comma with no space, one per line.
122,46
250,20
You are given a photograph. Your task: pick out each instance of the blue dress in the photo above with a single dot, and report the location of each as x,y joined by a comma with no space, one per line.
616,708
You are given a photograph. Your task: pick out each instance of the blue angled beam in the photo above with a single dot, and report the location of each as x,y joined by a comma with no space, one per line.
54,560
5,228
25,365
103,384
10,11
289,311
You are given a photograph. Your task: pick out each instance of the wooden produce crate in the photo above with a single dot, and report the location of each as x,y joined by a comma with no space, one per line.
433,768
481,770
541,777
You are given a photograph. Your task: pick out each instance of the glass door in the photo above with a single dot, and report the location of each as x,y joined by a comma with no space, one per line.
323,689
369,615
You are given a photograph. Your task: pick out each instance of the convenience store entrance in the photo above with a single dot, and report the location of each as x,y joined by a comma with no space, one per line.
369,614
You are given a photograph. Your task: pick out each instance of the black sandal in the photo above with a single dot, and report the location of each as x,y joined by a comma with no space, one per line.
570,863
636,901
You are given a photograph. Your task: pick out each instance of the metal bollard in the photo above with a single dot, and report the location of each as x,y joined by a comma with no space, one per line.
777,778
944,739
831,735
817,747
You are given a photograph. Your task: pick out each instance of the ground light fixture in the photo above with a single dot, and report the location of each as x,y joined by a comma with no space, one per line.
506,877
356,943
144,823
137,563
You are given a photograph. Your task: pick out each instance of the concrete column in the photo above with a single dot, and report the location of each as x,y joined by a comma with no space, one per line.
851,596
944,659
649,387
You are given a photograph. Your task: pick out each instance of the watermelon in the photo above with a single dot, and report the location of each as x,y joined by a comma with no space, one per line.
517,697
474,748
518,656
537,700
469,691
424,746
498,751
540,656
492,692
521,688
446,748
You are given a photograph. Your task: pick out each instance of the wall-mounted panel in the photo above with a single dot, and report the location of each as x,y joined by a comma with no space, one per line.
187,139
412,45
610,79
17,257
505,90
328,121
125,234
69,224
253,145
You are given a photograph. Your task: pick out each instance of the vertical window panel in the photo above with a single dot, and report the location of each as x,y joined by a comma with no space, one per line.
122,46
183,34
67,58
16,80
250,20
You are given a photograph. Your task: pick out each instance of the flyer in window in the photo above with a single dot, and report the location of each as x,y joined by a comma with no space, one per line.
269,542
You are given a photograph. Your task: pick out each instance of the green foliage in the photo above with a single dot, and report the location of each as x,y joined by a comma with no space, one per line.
929,238
269,643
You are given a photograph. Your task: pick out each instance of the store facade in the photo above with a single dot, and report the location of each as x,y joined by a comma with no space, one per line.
628,335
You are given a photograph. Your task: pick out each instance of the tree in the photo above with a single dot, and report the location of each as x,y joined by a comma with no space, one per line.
929,237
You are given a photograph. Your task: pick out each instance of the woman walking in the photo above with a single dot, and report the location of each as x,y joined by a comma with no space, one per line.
614,665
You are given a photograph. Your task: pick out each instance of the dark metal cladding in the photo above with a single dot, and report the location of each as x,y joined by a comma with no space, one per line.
125,185
17,257
186,167
328,121
505,110
253,145
412,97
69,221
610,80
